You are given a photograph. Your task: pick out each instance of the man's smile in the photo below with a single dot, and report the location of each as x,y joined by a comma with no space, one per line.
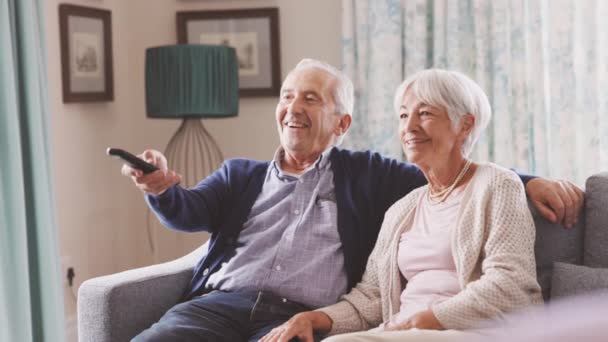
295,124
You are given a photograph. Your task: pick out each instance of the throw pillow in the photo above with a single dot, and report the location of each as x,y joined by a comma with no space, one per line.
571,279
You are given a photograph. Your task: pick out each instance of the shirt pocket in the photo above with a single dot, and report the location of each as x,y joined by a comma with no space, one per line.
325,220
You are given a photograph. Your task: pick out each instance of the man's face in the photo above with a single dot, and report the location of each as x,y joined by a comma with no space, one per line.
306,113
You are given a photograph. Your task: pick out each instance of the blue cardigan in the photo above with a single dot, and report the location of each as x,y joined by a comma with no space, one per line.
366,185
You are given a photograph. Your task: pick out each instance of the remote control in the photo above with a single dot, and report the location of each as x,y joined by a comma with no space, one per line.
131,160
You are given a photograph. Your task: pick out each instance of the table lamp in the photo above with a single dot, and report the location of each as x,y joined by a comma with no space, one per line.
191,82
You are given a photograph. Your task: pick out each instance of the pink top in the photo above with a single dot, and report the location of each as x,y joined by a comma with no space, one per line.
425,256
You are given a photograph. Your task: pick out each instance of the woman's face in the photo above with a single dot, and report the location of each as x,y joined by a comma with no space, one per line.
426,132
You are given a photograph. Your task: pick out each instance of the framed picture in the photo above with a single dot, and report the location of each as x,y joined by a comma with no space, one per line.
86,53
254,33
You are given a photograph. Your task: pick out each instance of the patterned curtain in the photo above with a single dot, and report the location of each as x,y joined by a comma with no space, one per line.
542,63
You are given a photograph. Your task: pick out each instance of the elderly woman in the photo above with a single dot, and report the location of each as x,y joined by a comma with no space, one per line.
449,255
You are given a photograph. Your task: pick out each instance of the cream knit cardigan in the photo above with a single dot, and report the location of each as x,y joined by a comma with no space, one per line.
493,248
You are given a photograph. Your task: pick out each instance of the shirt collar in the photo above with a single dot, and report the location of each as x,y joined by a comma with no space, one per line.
322,163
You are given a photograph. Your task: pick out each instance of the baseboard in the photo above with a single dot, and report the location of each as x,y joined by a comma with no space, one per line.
71,329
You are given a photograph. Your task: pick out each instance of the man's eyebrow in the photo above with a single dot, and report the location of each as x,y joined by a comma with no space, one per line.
305,92
312,92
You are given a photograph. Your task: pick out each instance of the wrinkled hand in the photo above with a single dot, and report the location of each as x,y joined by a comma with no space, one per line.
422,320
156,182
298,326
559,201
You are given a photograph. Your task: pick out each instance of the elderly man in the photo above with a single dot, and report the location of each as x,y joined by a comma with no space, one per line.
292,234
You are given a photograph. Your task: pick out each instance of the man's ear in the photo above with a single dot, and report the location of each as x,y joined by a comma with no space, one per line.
343,124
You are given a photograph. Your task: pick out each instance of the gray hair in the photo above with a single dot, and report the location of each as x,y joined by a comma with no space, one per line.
456,93
343,94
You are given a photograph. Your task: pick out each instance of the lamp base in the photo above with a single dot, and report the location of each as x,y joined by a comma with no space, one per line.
193,153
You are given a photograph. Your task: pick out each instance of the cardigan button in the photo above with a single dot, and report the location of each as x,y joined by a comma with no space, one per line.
205,272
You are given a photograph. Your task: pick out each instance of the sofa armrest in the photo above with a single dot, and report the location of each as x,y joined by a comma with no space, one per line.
117,307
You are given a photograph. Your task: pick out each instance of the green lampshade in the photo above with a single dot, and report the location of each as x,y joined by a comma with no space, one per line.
192,81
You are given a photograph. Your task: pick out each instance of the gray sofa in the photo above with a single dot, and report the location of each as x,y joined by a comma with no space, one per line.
119,306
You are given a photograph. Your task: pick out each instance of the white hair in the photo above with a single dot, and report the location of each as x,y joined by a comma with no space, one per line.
343,93
453,91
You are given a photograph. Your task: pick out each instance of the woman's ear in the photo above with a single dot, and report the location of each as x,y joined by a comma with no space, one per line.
468,122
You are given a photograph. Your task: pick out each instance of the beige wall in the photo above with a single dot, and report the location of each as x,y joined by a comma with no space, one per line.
100,215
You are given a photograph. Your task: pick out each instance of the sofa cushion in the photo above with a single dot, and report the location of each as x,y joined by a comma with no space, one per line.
571,279
596,217
555,243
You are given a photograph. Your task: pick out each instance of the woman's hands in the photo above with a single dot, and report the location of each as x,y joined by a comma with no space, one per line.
301,325
304,324
421,320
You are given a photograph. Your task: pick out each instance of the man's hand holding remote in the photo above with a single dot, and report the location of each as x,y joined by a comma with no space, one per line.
156,182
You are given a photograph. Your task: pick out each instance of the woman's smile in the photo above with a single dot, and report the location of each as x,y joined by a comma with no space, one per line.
416,142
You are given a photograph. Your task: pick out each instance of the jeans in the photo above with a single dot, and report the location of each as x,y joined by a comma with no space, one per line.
223,317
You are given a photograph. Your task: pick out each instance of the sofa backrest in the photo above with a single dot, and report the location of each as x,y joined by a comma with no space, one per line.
596,221
584,244
555,243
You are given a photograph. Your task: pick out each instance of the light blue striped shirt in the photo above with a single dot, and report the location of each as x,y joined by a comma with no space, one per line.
290,244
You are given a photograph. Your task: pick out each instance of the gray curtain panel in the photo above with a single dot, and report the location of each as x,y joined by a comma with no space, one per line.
31,304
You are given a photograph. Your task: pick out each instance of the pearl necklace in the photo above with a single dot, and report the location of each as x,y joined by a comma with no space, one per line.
441,196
